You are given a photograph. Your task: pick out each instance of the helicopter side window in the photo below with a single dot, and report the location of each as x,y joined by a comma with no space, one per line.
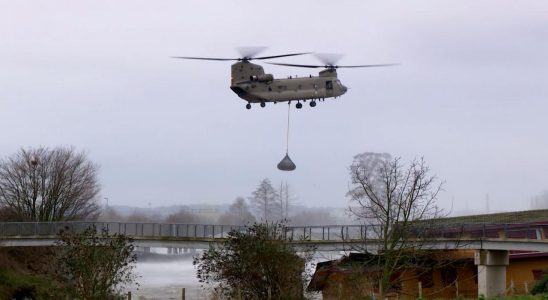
329,85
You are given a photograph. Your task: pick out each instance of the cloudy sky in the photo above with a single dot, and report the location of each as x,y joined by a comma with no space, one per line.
470,95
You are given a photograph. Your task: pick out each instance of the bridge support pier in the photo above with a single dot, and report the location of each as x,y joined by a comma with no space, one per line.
491,272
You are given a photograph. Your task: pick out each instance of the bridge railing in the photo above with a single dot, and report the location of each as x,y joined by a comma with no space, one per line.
536,231
326,233
145,230
49,229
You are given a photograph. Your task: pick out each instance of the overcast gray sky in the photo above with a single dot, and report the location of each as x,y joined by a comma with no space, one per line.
470,95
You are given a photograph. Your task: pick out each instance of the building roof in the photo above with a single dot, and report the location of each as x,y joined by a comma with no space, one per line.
347,263
527,216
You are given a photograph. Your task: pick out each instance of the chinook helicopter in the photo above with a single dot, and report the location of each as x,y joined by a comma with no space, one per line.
251,83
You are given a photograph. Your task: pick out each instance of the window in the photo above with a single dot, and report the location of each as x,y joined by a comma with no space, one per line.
329,85
426,278
448,275
538,274
395,282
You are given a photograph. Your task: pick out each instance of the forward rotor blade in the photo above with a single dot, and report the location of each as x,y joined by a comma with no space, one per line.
243,58
205,58
283,55
250,52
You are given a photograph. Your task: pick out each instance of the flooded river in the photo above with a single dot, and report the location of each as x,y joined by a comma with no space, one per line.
165,280
164,277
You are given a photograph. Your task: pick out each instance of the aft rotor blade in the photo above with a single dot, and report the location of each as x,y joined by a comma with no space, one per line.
283,55
205,58
329,59
331,66
367,66
301,66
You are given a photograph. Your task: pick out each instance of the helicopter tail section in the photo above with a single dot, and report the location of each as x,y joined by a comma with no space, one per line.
246,71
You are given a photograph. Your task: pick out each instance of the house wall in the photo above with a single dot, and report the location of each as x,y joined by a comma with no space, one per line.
520,271
519,280
443,287
349,285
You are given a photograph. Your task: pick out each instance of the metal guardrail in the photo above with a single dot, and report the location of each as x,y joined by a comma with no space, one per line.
141,230
162,230
534,231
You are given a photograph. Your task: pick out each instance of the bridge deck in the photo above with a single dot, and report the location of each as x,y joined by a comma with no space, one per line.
528,236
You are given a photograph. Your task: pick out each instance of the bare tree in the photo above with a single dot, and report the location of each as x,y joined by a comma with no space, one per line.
396,204
313,216
109,214
265,201
286,200
182,216
139,217
540,201
49,185
238,213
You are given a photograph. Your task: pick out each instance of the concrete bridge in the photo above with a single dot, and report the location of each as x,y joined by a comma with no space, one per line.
522,237
198,236
492,242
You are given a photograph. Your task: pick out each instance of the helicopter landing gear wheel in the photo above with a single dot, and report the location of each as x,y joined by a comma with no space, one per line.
299,105
248,106
263,104
312,103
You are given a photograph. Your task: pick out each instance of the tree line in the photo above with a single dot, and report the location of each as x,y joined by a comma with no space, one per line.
391,197
61,184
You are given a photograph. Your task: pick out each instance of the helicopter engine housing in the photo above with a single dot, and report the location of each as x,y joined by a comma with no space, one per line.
262,78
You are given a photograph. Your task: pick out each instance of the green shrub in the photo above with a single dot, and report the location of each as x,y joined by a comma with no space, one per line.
541,287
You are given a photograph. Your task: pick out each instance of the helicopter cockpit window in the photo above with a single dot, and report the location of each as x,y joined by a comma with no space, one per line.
329,85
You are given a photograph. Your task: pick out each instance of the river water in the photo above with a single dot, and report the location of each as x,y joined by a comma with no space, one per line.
164,278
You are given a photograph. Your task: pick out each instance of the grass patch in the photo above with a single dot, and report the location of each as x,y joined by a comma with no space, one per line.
18,286
520,297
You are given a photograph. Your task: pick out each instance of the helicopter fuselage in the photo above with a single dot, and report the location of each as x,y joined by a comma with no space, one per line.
250,83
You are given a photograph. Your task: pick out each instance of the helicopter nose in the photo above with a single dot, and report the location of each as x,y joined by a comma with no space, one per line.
344,88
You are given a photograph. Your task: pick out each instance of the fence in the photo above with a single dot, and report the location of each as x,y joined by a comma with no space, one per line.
534,231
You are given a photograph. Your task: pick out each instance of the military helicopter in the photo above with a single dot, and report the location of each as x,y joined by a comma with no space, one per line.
251,83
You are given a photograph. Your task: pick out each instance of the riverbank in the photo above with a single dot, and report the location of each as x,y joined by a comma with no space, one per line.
22,273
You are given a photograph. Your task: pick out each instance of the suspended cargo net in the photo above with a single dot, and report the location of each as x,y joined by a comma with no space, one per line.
286,164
